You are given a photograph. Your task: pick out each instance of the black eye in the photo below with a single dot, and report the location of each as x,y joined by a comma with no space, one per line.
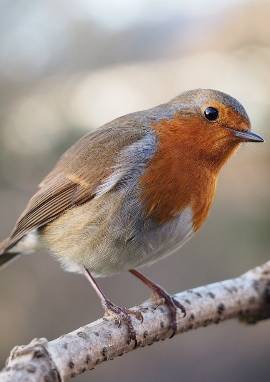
211,113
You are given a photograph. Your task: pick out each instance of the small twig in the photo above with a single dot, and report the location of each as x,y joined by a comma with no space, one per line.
246,297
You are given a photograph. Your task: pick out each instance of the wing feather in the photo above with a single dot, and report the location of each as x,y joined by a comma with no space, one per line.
75,177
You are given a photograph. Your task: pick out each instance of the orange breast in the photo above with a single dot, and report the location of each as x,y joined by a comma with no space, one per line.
177,176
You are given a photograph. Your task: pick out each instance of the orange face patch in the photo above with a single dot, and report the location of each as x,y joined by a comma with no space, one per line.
183,171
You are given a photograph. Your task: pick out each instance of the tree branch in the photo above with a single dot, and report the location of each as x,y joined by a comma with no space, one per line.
246,297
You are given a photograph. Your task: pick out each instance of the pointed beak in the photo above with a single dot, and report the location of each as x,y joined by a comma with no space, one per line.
247,136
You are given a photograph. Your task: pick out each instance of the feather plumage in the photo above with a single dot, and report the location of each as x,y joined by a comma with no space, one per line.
75,177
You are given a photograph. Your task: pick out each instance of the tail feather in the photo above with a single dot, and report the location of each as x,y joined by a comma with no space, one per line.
5,256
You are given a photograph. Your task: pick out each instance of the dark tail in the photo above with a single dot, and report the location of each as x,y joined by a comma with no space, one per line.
5,256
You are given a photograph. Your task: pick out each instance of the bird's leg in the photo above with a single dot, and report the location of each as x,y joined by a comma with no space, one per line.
171,302
122,313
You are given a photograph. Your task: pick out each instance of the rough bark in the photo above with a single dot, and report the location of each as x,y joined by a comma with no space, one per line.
246,297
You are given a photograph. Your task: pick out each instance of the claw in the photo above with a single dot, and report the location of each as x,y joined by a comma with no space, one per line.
123,314
164,298
172,305
180,306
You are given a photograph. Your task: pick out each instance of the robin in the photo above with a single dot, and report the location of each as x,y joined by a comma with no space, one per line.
133,191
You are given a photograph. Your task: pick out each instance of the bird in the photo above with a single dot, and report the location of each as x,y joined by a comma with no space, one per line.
133,191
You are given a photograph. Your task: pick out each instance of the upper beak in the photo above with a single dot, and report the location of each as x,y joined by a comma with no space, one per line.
247,136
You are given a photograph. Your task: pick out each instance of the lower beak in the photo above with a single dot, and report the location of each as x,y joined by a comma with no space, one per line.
247,136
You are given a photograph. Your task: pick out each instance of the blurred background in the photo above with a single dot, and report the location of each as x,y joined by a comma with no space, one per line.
67,68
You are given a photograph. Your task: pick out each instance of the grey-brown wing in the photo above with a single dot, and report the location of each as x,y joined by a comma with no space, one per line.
43,207
74,179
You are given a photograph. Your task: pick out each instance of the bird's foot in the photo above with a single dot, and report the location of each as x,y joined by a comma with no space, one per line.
172,305
123,314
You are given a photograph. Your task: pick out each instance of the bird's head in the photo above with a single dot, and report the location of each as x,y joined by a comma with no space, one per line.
211,124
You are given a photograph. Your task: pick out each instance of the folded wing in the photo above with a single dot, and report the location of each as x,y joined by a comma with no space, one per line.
75,178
